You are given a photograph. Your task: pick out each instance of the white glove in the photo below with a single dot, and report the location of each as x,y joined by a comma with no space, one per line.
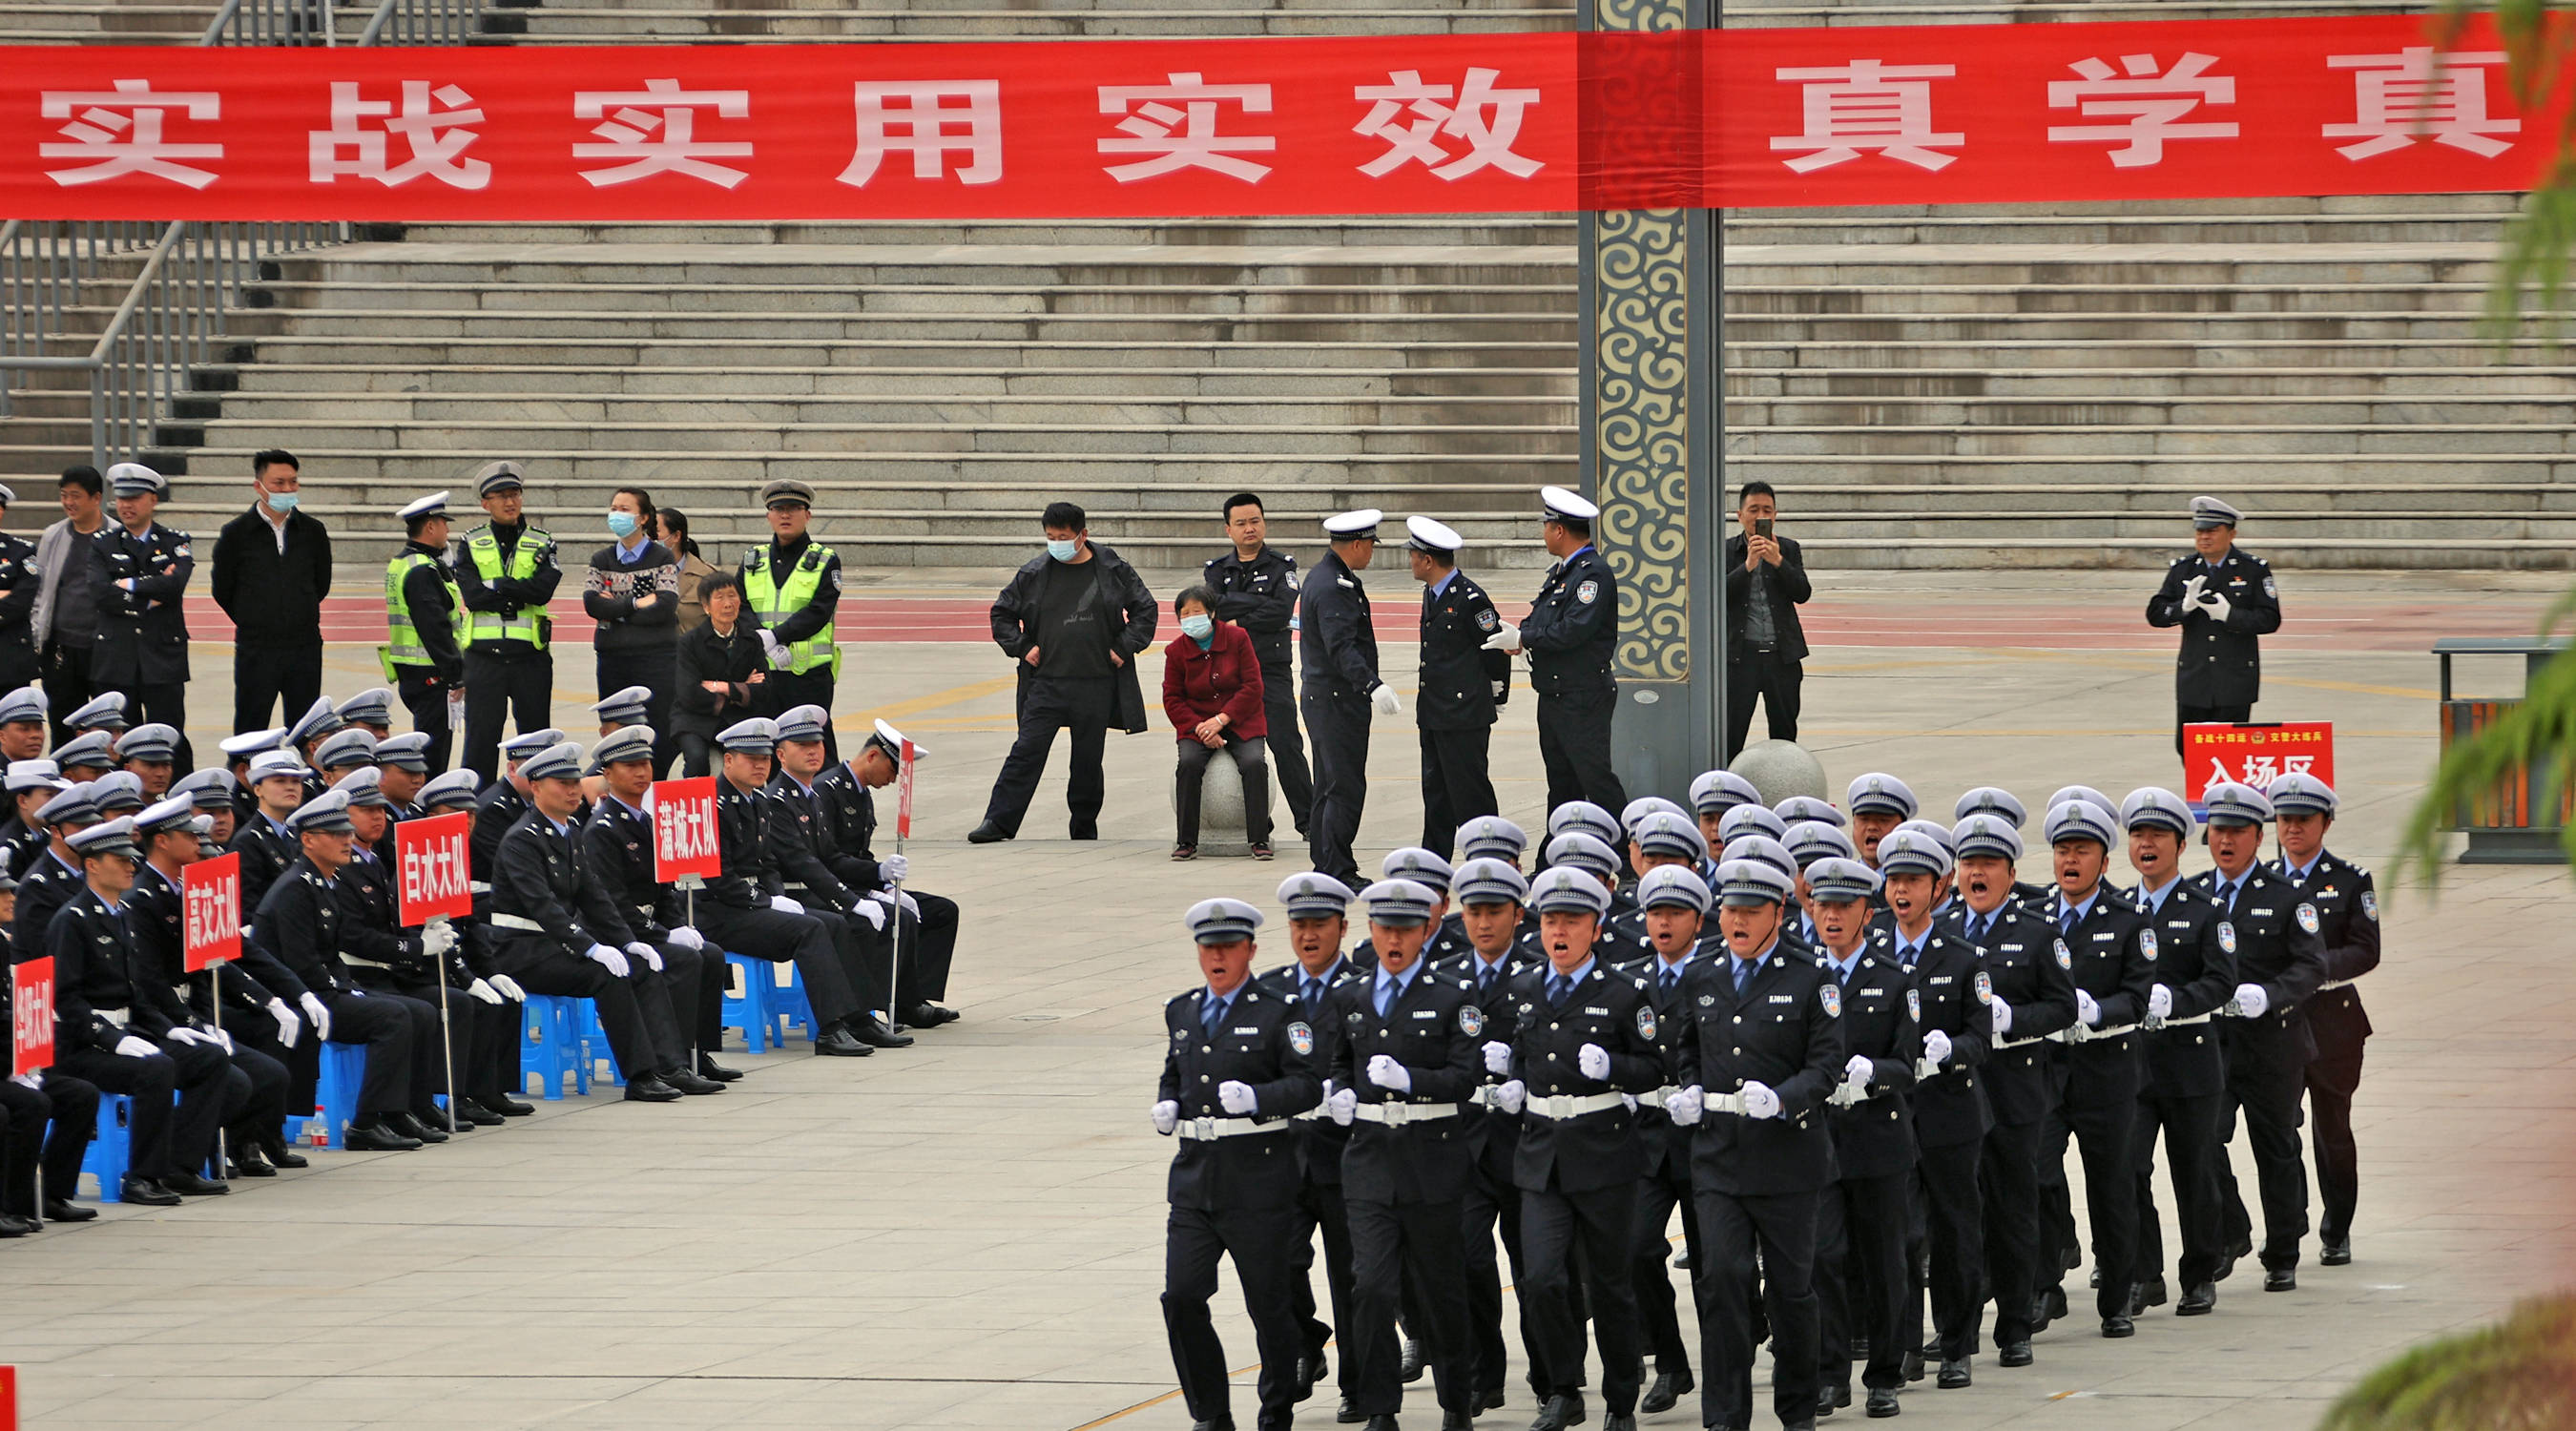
2191,591
316,1015
2216,604
1498,1058
873,910
1384,699
1686,1105
905,902
1760,1101
607,958
1936,1048
26,1081
220,1039
288,1025
1856,1073
482,989
1167,1116
2003,1017
651,956
769,644
2088,1009
894,868
1385,1072
2251,1001
688,938
509,988
187,1035
783,905
1236,1097
1593,1060
2159,1002
1510,1096
132,1047
438,938
1507,639
1341,1104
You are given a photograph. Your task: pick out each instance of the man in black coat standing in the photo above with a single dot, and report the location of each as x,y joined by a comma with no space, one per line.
1256,589
2223,599
1766,580
272,571
139,579
1075,619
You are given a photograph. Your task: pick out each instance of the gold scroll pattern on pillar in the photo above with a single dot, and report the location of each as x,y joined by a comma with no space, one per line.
1641,401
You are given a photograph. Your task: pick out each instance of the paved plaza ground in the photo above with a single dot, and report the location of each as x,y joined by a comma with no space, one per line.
968,1234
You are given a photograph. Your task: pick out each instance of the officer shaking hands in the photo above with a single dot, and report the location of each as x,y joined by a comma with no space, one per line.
2223,599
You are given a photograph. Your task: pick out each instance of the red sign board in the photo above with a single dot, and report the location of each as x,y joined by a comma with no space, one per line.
903,796
31,1015
210,923
435,868
684,829
2254,754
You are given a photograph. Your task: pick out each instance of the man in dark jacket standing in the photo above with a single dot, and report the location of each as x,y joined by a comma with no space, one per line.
1256,589
1766,579
272,570
2223,600
139,579
1074,619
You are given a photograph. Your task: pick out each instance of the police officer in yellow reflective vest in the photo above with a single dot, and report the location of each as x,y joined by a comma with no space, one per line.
506,572
792,588
424,624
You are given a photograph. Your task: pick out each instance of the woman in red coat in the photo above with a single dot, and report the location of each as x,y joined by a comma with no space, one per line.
1212,692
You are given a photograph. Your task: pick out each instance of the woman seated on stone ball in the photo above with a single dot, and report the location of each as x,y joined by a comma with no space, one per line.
1212,692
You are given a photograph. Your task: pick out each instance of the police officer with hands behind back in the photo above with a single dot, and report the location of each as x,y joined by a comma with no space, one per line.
1570,633
506,572
1338,648
2347,907
1256,589
140,582
2223,599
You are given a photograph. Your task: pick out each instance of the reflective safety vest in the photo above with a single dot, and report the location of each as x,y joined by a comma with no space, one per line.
774,603
528,623
402,639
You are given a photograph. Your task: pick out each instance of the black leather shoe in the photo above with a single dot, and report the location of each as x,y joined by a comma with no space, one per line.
1226,1425
2093,1282
651,1089
1954,1374
250,1165
1914,1366
282,1156
2336,1253
837,1043
871,1030
1829,1397
2280,1279
12,1225
926,1015
1882,1402
191,1185
2056,1303
709,1068
1559,1412
2197,1301
1615,1421
146,1192
1667,1392
986,833
1310,1369
65,1210
689,1083
1807,1425
408,1125
2013,1354
507,1106
471,1110
377,1138
2119,1327
1349,1415
2150,1293
1681,1259
2243,1249
1411,1368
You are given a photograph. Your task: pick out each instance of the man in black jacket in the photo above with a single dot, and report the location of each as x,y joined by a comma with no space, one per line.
272,571
1766,579
1075,619
139,580
1256,589
2223,599
1338,648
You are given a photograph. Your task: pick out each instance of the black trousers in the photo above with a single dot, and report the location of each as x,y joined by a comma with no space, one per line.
2008,1184
1954,1237
46,1128
1456,787
498,687
927,949
1258,1239
654,669
164,1139
1340,728
2333,1078
1761,675
1861,1280
267,674
2193,1153
1493,1205
1251,760
425,696
1574,744
1658,1314
483,1039
2265,1082
262,1082
1087,707
2100,1114
1287,747
1603,1223
1319,1209
67,685
698,754
634,1009
18,663
2208,715
824,958
404,1067
1410,1252
1731,1225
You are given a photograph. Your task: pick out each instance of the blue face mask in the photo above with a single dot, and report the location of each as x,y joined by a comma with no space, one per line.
281,502
1197,628
1062,551
621,524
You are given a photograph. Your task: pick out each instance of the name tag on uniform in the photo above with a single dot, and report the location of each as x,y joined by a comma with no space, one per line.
2102,936
1873,993
1604,1013
2262,913
1784,998
2009,948
1426,1013
1942,979
1248,1031
2177,924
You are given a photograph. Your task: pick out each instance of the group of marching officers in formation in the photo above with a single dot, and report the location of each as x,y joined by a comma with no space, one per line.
1849,1046
565,903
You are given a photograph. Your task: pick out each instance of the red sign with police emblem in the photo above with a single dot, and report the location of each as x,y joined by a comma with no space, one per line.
2254,754
903,796
210,912
434,871
684,829
31,1016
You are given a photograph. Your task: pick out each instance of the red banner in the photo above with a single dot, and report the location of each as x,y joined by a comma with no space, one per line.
1553,122
2254,754
684,829
434,868
210,899
31,1015
903,796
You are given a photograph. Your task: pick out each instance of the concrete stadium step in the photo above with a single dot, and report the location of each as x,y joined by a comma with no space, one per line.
688,383
115,22
1178,236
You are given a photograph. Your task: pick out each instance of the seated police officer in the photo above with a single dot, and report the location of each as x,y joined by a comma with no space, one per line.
460,792
52,876
266,846
149,753
798,842
498,808
927,942
46,1120
617,840
23,730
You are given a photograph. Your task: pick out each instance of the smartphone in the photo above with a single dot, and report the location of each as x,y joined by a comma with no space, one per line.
1762,526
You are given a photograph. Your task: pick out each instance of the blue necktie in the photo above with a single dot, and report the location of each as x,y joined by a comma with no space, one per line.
1485,975
1212,1017
2066,920
1557,987
1743,974
1313,995
1672,978
1385,996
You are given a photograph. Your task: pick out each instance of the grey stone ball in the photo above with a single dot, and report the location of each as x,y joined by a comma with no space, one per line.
1223,828
1780,769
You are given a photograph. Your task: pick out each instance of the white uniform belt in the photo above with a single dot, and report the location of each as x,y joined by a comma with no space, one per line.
1722,1103
121,1018
2078,1033
1557,1107
2203,1017
1396,1115
2002,1044
478,886
1658,1097
1846,1095
513,921
2332,984
1212,1128
1925,1070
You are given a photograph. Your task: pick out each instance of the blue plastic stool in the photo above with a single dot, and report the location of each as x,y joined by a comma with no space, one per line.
594,1046
794,1007
750,1010
110,1150
551,1046
343,1070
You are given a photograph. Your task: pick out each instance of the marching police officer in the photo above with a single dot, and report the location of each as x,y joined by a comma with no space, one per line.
1570,633
792,586
1237,1069
425,621
1673,903
1462,684
1256,589
1317,907
140,580
19,583
506,572
2223,599
1342,688
2276,935
617,847
1879,802
1448,938
2347,906
1951,1116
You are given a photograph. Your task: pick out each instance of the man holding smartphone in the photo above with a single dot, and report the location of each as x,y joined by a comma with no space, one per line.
1766,579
